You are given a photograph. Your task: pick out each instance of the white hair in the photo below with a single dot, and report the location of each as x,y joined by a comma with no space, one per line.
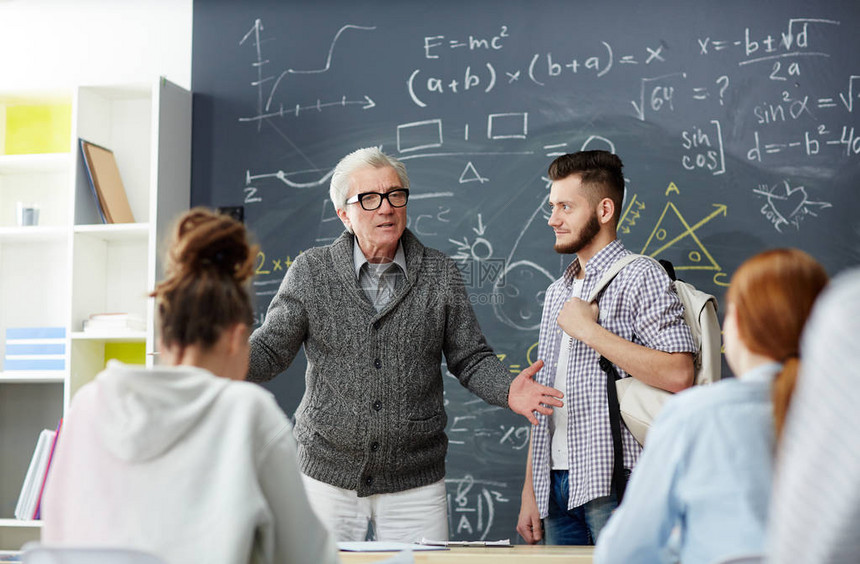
367,157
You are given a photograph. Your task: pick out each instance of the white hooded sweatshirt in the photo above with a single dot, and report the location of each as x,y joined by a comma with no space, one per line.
183,464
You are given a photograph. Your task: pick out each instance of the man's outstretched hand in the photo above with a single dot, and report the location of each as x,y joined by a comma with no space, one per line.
527,396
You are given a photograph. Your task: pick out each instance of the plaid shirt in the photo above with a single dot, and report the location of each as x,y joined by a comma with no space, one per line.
639,305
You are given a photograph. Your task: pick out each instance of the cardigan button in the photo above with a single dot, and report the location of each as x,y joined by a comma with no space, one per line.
369,480
377,325
377,405
377,363
374,447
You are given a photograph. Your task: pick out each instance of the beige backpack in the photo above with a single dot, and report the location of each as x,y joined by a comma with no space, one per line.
639,403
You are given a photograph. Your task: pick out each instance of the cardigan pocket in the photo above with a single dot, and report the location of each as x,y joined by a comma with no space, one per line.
418,432
427,409
324,430
423,440
419,423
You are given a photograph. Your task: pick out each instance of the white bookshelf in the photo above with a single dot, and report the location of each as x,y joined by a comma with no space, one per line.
39,163
32,233
18,533
71,265
115,232
33,377
116,337
41,179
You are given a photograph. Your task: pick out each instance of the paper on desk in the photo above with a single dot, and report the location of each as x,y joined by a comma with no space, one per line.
382,546
402,557
502,542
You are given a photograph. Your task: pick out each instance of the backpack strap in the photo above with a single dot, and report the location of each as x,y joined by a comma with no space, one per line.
610,275
619,476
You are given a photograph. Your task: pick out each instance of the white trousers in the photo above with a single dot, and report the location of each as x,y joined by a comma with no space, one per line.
405,516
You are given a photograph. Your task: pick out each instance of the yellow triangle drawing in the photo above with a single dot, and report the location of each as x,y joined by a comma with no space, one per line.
674,228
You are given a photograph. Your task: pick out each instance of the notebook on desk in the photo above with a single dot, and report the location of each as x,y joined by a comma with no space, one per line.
382,546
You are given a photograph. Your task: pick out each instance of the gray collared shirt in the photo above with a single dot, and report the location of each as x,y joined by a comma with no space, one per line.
379,281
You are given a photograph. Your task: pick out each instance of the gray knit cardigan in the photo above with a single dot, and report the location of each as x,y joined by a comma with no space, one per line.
372,418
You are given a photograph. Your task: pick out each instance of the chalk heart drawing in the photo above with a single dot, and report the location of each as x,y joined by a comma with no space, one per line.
787,205
790,202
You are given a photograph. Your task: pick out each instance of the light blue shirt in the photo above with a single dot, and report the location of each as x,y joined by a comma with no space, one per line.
706,469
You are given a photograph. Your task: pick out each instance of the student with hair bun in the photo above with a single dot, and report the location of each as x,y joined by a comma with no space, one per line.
186,460
704,478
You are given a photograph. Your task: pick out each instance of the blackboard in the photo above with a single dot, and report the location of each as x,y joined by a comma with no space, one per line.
735,121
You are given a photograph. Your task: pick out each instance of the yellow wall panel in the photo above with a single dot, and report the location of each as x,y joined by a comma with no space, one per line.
38,129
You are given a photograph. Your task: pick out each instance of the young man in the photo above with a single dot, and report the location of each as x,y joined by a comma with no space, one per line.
638,326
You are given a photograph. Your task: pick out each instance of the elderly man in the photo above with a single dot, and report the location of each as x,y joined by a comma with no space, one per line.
375,310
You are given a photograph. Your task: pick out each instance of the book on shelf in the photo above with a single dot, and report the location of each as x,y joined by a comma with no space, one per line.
106,184
37,514
30,498
11,556
113,323
35,348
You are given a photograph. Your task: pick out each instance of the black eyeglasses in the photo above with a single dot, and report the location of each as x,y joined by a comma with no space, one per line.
372,200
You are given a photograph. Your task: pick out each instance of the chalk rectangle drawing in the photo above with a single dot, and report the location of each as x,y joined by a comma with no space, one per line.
419,135
508,126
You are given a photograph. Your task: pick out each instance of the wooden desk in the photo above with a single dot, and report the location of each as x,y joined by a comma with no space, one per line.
521,554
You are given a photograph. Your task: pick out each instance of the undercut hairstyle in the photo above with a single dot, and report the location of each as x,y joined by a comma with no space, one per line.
600,172
204,292
362,158
773,294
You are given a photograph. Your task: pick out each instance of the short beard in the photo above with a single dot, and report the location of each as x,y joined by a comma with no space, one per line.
583,238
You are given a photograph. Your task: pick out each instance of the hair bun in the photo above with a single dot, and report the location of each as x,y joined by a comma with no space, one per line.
225,255
203,293
210,242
